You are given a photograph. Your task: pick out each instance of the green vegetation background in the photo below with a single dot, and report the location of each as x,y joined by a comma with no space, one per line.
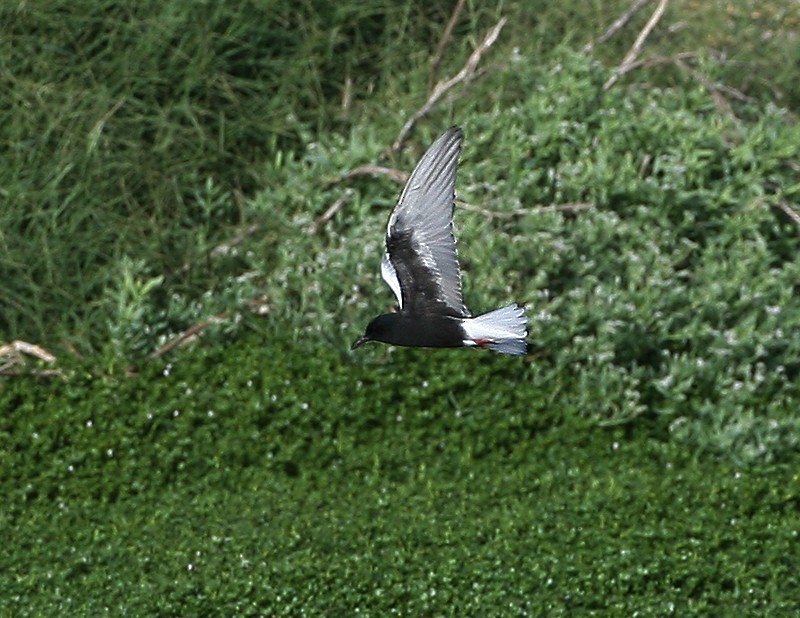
163,164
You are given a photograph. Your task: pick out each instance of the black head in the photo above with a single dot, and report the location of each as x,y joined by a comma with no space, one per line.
381,328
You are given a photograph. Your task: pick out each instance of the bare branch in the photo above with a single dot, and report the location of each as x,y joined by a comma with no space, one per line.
320,221
717,91
790,212
567,207
34,373
570,207
188,334
257,305
466,74
371,170
638,44
347,94
657,60
226,247
618,25
448,31
12,360
17,348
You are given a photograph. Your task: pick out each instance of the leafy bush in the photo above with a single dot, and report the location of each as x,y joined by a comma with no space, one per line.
672,294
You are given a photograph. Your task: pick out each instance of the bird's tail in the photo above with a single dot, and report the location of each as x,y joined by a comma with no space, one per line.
502,330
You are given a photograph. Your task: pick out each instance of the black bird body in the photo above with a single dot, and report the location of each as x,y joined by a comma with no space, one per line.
408,329
420,265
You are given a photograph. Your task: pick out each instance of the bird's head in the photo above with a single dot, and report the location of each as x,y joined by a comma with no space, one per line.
379,329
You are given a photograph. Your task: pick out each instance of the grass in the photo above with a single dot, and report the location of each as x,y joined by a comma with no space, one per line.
165,168
115,128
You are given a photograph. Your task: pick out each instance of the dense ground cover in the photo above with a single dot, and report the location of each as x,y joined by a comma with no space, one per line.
264,481
166,166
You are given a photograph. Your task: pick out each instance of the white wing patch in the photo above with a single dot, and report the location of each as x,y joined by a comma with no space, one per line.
389,275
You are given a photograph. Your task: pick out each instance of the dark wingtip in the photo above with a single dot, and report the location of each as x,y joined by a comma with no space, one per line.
456,130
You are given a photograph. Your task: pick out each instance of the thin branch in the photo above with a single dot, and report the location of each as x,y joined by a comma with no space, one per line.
223,248
33,373
371,170
448,31
466,74
347,94
570,207
567,207
658,60
226,247
638,44
320,221
12,360
188,334
258,305
790,212
718,91
17,348
711,85
618,25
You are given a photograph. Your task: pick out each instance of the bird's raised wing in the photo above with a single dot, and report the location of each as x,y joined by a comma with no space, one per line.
420,264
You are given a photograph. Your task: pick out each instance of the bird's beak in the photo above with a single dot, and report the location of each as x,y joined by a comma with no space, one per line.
359,342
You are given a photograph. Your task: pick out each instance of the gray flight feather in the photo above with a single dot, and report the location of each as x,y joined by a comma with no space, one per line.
420,264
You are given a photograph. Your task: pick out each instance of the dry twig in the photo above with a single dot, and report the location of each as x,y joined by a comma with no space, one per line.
466,74
226,247
371,170
326,216
618,25
401,177
18,348
448,31
790,212
257,304
538,209
12,360
638,44
658,60
188,334
347,94
718,91
33,373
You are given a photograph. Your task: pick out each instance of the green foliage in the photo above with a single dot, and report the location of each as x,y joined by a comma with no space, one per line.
288,479
165,163
670,295
679,286
129,304
115,115
673,294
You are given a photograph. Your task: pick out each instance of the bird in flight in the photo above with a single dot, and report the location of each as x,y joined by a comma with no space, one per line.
420,265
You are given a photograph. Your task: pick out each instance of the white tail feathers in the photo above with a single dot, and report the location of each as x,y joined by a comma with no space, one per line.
502,330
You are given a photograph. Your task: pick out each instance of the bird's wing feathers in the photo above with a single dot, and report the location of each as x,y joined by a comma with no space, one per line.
420,264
